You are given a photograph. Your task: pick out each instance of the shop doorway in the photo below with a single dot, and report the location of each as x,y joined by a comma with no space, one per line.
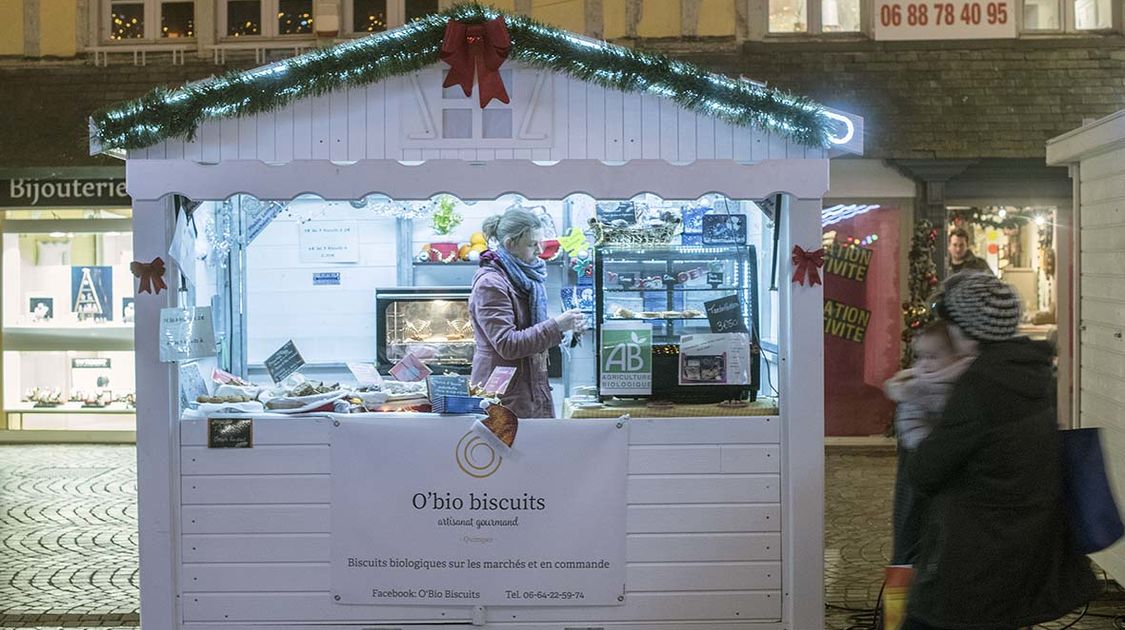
1018,244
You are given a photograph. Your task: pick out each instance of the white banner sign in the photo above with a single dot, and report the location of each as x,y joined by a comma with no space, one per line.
329,242
948,19
427,512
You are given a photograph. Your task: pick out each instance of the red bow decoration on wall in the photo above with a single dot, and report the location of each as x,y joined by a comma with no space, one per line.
807,262
151,274
479,49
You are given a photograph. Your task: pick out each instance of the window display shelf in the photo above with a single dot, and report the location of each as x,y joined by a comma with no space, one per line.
70,407
81,337
700,318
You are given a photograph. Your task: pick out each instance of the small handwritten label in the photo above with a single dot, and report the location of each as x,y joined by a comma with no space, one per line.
725,315
284,362
230,432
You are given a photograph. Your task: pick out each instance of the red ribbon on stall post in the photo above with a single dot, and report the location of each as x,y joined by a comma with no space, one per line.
150,274
478,49
807,262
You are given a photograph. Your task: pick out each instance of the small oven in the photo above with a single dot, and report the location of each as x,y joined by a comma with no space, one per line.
432,322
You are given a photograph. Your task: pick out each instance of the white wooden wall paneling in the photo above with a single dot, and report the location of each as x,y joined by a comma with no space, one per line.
589,122
338,127
1105,362
526,625
314,547
596,122
687,142
302,129
1101,326
313,458
266,130
1103,384
248,139
291,488
1099,410
1108,187
656,607
717,557
281,577
1102,165
374,108
1098,213
1105,239
615,128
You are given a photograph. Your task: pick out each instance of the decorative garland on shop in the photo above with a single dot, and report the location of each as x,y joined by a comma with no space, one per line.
922,283
177,113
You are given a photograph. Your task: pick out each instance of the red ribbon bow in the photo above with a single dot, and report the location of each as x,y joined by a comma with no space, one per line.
481,48
807,262
151,274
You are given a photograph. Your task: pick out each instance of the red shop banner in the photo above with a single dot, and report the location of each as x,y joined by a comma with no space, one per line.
861,321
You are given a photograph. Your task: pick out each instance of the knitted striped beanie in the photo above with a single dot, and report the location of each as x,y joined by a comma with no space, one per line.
981,305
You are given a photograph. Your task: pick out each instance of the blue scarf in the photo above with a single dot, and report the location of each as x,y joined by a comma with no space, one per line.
528,278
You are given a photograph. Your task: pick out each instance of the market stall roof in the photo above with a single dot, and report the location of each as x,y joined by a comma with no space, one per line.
337,94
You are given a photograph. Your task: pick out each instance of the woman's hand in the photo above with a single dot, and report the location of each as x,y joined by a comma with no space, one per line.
570,320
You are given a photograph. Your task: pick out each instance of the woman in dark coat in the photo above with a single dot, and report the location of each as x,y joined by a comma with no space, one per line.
508,307
996,552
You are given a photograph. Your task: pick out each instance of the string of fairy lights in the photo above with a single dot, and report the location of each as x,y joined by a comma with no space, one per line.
163,113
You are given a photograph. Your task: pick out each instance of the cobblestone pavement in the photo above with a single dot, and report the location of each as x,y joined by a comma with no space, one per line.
68,543
859,486
68,535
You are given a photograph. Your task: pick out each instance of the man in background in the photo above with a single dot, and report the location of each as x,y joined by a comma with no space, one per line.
961,258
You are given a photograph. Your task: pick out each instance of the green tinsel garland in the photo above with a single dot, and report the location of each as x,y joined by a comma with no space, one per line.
165,113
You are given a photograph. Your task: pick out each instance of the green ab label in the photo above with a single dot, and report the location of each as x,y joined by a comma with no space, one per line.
626,351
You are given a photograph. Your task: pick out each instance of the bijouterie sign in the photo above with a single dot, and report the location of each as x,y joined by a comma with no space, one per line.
31,192
947,19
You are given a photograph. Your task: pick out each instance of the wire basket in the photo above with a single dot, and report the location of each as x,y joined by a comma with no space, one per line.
651,233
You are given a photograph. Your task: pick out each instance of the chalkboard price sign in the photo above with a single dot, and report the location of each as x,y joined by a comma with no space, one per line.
284,362
725,315
230,432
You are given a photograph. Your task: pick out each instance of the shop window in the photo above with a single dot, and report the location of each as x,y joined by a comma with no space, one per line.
139,20
267,18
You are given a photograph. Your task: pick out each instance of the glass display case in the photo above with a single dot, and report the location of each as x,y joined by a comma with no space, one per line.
669,288
432,323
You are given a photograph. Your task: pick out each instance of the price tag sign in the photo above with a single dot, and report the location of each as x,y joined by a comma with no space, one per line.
947,19
725,315
284,362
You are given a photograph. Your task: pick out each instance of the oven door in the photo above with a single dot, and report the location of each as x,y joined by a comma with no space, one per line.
432,323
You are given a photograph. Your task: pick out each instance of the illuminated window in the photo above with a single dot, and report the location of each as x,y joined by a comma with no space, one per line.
1092,14
244,17
840,16
177,19
373,16
788,16
127,20
369,16
294,17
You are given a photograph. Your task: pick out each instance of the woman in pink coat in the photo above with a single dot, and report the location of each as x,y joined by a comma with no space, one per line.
508,307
